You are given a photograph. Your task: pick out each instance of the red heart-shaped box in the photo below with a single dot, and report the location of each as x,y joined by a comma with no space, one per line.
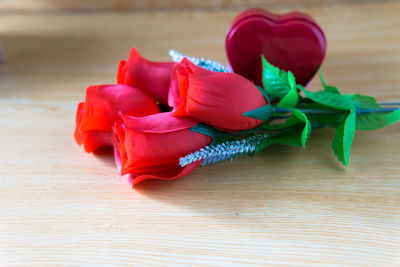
292,41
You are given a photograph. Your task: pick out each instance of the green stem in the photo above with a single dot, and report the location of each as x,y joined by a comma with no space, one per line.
321,111
389,103
310,112
255,130
375,110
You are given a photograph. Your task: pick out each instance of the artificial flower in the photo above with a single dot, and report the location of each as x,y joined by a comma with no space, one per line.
150,147
96,116
153,77
184,68
216,98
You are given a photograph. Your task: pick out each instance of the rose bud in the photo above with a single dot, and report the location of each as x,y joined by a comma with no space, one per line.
153,77
184,68
96,116
215,98
150,147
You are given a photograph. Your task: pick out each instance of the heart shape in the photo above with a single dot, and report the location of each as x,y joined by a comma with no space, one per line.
292,41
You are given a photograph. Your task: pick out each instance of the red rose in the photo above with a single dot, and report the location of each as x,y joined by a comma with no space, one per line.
96,116
150,147
184,68
216,98
153,77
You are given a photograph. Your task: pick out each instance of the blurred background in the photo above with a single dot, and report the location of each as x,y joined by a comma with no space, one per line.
60,205
136,5
90,37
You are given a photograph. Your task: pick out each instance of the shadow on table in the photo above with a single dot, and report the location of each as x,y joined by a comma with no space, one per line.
248,185
105,155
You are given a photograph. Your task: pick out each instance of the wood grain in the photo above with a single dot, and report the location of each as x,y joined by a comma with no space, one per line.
287,206
162,5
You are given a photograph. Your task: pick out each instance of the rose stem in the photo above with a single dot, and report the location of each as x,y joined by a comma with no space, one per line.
390,104
319,111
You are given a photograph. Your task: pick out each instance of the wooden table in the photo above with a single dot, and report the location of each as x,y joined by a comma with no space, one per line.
286,206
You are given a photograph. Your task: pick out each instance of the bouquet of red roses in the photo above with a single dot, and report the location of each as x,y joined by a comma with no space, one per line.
164,119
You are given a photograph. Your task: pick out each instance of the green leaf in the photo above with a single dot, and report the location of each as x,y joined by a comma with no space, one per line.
265,95
205,129
373,121
290,137
321,77
363,101
295,131
262,113
331,120
335,101
313,105
296,118
291,99
275,81
291,80
332,89
307,127
343,139
328,88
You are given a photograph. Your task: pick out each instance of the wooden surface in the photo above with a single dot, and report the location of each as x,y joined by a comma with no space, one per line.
286,206
28,6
